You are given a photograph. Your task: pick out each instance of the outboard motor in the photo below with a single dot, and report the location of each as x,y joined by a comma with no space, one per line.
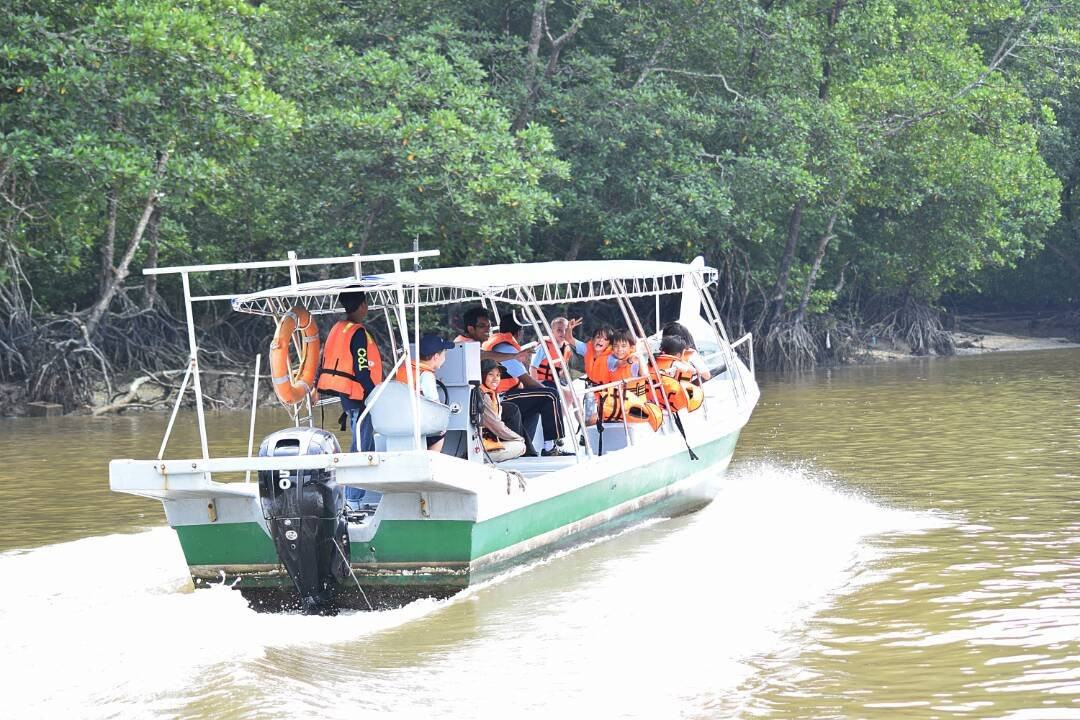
305,513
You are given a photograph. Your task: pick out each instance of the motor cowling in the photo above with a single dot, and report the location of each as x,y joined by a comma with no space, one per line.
305,514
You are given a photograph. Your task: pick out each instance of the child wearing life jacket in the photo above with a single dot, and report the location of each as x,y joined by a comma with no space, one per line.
432,352
690,354
623,363
677,379
595,353
500,442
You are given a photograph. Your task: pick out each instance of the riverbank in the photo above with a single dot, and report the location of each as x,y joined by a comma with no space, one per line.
992,332
975,334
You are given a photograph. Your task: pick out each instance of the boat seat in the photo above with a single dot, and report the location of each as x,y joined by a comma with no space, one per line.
392,416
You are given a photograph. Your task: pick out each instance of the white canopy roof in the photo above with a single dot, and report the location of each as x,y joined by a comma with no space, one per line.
523,283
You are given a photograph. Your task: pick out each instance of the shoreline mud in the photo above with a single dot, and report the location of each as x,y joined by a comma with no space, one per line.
974,335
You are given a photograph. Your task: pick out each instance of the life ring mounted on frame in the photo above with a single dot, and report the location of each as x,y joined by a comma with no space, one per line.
292,386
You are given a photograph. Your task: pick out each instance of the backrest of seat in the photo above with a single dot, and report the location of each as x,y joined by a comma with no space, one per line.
392,416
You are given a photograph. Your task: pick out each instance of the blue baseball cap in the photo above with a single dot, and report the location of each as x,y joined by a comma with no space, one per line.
431,344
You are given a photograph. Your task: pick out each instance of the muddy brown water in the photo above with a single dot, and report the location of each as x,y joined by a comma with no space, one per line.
895,540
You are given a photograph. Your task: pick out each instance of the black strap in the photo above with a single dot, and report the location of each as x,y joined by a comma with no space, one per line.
682,431
599,432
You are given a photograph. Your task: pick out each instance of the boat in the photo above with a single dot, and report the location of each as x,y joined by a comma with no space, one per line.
273,524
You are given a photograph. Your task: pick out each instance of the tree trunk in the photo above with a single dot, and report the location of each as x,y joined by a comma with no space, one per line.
574,249
152,232
98,309
532,84
808,287
779,290
108,246
1070,261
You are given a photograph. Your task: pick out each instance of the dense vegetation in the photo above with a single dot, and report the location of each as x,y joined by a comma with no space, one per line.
846,163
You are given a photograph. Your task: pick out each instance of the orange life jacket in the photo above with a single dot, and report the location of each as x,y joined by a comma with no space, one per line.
463,338
629,401
614,403
490,441
678,380
418,367
622,372
337,374
547,369
496,339
596,364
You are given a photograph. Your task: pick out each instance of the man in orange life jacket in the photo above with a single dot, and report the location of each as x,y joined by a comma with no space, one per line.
352,367
537,402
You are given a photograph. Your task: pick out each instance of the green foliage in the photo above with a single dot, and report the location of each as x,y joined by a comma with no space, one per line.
928,142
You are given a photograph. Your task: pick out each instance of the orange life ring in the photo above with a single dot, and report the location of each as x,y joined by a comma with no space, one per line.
292,387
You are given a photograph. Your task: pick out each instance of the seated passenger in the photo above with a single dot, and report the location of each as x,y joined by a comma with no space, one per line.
500,442
595,354
690,355
477,328
677,380
432,356
538,403
623,363
554,353
633,401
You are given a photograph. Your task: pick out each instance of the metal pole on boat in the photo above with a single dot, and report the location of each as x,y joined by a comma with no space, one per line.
738,385
403,327
195,366
651,359
254,404
176,408
416,346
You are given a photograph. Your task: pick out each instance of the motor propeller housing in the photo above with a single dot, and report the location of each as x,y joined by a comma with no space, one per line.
305,514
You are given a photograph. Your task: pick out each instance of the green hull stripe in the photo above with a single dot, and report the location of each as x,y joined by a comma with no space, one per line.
457,541
527,522
226,544
433,541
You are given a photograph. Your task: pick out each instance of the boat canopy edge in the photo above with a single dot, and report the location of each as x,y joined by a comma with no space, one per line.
526,283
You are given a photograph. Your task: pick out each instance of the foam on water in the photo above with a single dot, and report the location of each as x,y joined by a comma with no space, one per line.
672,611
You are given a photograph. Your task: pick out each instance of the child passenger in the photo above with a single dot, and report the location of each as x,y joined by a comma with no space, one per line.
690,354
623,362
500,442
432,353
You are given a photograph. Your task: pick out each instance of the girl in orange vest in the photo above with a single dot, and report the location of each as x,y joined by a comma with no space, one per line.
595,353
500,442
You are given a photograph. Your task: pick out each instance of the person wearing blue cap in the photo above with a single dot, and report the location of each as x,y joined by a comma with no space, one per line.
432,352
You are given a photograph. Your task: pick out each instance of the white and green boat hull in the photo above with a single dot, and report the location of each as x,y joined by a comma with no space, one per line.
443,523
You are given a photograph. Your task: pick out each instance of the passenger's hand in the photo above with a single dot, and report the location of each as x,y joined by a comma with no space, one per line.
524,356
573,323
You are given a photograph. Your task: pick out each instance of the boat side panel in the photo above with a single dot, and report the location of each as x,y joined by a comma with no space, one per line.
527,522
432,541
226,544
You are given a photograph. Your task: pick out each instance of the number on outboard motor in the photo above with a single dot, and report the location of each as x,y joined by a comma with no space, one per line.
305,513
